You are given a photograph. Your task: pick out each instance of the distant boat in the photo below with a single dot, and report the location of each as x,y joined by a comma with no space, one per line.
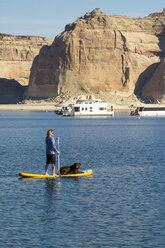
86,108
149,111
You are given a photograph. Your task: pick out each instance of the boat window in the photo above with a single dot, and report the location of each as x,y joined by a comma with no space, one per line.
102,108
86,108
83,109
77,109
151,109
91,108
154,109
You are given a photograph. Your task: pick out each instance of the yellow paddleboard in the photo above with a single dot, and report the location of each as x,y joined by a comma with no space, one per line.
28,175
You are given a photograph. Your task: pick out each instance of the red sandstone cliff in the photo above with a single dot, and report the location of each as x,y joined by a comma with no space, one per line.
99,54
16,57
155,87
17,54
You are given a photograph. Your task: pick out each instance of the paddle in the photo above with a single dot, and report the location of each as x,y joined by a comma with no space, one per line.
58,143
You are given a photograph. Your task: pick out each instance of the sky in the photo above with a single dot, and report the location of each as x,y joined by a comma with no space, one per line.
48,18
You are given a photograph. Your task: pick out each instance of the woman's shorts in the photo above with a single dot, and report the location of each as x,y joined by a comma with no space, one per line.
50,158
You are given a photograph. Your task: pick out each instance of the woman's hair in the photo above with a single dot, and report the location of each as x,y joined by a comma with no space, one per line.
49,131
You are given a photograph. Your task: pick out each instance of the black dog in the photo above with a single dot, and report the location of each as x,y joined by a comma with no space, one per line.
73,169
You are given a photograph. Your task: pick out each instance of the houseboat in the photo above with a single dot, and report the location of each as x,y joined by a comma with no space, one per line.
87,108
149,111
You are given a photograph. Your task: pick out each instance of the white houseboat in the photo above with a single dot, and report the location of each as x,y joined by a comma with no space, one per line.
149,111
87,108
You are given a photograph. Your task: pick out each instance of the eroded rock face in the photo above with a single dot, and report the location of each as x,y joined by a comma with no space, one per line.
99,53
155,88
11,91
17,54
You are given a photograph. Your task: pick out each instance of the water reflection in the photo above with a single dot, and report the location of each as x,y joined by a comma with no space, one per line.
50,188
27,178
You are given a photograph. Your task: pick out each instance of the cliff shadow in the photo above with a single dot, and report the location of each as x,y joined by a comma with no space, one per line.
146,75
11,91
143,79
161,43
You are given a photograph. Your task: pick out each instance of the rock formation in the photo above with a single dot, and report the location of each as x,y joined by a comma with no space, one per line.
155,87
17,54
100,54
11,91
16,57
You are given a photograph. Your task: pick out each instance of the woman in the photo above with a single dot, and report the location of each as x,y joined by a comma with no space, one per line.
51,151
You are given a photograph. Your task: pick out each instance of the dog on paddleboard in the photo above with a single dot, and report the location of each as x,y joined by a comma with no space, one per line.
72,169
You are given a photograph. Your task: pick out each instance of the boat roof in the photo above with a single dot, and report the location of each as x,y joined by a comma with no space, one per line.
90,101
151,106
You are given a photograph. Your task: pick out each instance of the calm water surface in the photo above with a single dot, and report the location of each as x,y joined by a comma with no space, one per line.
121,206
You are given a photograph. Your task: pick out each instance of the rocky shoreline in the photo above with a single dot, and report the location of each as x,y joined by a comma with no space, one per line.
52,107
47,107
120,103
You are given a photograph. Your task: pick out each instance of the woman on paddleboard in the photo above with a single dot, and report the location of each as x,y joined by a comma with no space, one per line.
51,151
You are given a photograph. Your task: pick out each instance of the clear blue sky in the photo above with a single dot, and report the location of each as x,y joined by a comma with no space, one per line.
48,18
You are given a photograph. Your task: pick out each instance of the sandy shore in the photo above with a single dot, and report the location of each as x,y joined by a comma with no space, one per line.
47,107
27,107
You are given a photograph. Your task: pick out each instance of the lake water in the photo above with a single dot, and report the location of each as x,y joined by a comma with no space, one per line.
121,206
